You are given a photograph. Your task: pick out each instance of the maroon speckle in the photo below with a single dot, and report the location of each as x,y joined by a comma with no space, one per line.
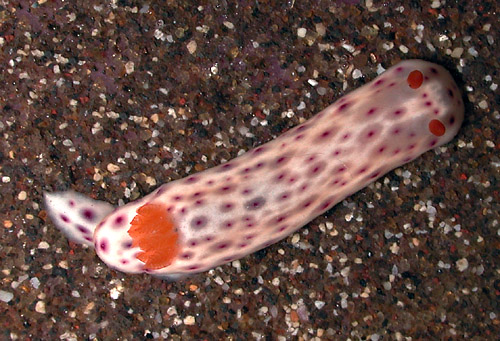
222,245
199,202
192,179
178,197
197,194
396,151
370,134
317,168
411,146
103,245
127,245
228,224
399,69
433,143
450,93
336,152
280,176
392,84
246,170
377,83
302,128
374,175
160,191
246,191
282,228
209,238
199,222
259,150
346,136
362,170
124,261
210,182
424,95
340,169
371,111
436,111
284,196
71,203
255,203
381,149
281,160
226,167
187,255
226,207
243,245
452,120
398,112
83,229
193,267
87,238
428,103
433,70
307,204
344,106
119,220
226,189
326,134
304,187
327,203
249,237
281,219
193,242
88,214
298,137
396,131
64,218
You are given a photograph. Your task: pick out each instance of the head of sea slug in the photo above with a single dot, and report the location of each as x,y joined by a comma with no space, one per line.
437,98
139,237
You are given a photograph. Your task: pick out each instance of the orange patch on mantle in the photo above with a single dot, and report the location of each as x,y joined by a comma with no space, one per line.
153,231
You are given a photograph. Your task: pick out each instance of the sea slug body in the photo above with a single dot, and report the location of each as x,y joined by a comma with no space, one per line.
229,211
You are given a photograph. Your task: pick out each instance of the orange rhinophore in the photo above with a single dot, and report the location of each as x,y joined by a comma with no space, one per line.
437,128
153,231
415,79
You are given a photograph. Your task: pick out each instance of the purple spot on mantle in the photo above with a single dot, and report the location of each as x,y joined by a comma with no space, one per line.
222,245
344,106
255,203
118,222
64,218
83,229
88,214
103,245
199,222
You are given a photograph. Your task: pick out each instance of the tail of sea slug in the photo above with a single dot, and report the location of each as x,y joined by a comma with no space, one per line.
76,215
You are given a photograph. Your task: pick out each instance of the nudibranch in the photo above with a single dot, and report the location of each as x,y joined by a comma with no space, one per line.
246,204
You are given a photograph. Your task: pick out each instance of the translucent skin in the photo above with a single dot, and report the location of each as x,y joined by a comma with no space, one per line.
261,197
